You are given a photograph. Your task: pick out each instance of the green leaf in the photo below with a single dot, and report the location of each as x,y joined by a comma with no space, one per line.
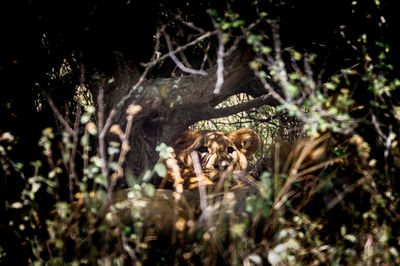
85,118
160,169
330,85
164,150
225,25
99,179
266,50
253,39
112,150
90,109
114,166
292,90
238,23
147,176
212,12
238,229
255,258
84,140
149,189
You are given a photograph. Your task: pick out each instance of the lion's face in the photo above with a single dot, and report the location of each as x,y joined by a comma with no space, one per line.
218,151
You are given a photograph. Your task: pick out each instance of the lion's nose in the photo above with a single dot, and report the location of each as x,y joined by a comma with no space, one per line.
221,166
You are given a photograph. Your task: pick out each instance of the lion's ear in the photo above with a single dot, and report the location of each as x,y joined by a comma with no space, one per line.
246,140
185,140
183,144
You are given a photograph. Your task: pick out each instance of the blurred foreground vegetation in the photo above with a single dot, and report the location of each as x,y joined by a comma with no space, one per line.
326,178
332,198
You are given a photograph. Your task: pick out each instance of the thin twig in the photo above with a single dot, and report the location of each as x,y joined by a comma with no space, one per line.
75,139
60,118
349,189
181,48
102,130
184,22
220,63
176,60
199,174
282,74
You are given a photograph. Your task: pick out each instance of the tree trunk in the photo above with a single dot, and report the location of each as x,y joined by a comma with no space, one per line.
170,105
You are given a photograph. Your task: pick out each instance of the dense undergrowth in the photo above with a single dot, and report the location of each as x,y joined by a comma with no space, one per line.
331,197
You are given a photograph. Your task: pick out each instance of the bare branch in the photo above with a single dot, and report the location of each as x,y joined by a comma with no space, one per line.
281,69
181,48
269,88
220,63
184,22
60,118
75,139
122,102
176,60
211,113
102,130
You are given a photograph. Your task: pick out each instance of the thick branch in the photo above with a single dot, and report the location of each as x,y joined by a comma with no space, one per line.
211,113
195,90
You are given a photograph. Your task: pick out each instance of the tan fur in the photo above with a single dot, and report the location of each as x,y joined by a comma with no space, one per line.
218,151
246,140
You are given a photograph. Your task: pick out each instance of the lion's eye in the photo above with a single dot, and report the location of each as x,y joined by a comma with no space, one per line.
203,149
230,149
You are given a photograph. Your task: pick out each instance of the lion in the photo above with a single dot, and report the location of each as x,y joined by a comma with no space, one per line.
166,215
219,153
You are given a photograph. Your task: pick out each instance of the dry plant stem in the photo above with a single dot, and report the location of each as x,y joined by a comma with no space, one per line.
318,166
50,161
85,151
172,164
128,249
199,174
104,127
102,148
60,118
71,174
293,175
224,174
124,149
349,189
277,179
306,151
74,133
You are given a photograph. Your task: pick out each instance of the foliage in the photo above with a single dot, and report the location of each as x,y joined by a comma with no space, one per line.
325,183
